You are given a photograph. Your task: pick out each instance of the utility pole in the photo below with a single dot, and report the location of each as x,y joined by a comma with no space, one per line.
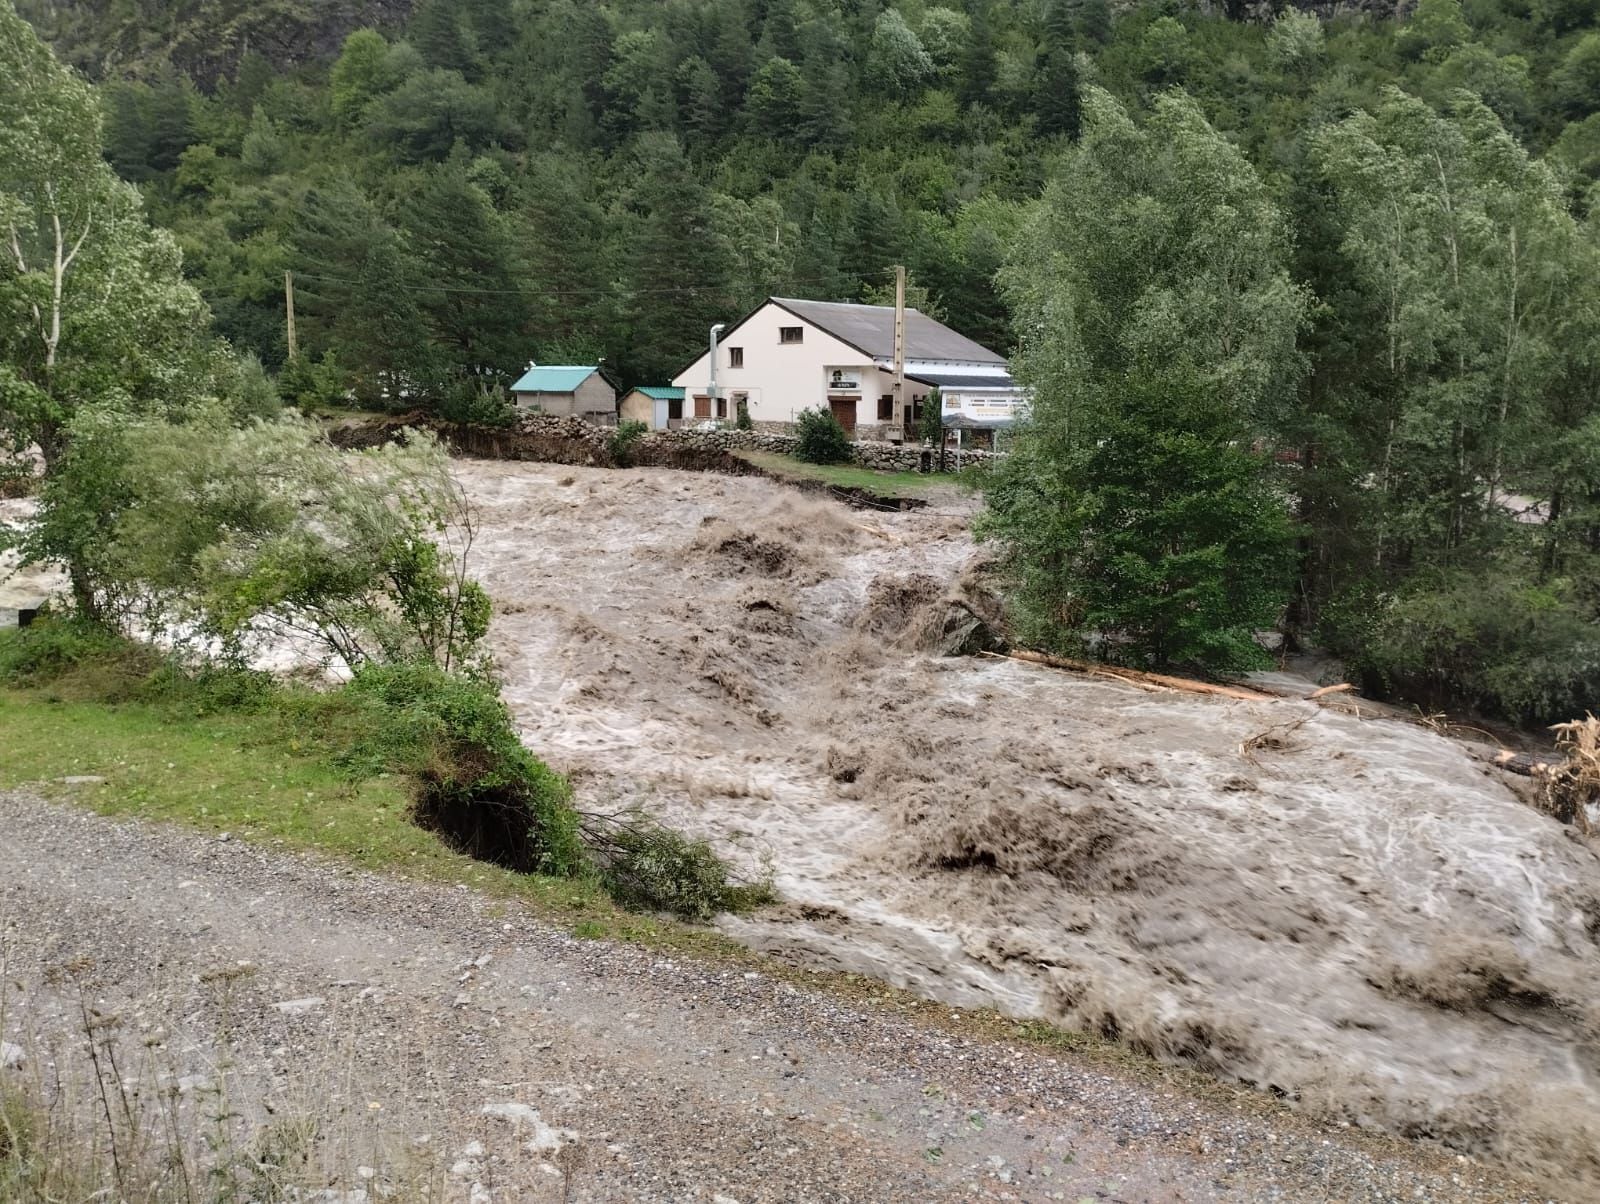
288,309
899,353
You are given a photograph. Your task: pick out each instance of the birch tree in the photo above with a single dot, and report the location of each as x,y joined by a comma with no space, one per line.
97,311
1466,244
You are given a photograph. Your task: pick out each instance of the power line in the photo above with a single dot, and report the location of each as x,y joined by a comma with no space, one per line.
658,290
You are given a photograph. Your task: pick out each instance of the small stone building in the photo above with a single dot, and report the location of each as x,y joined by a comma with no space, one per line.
657,406
567,390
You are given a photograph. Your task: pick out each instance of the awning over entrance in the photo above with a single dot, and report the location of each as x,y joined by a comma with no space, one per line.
964,380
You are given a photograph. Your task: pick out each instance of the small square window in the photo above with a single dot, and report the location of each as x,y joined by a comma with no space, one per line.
791,334
736,357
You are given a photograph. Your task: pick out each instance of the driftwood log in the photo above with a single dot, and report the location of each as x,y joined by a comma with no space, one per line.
1135,677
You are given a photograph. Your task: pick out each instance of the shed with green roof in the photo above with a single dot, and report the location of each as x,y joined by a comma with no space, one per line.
579,390
657,406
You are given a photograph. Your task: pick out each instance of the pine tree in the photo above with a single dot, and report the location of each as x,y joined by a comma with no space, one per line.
978,64
470,295
559,229
672,248
358,293
1058,91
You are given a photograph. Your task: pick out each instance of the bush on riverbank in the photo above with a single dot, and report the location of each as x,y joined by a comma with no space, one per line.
471,781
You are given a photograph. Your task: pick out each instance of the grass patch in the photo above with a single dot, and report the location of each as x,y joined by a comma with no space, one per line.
258,778
852,476
403,766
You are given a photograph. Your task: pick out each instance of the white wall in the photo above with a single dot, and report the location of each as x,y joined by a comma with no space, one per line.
782,379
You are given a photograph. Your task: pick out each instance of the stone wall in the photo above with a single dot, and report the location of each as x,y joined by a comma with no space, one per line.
561,439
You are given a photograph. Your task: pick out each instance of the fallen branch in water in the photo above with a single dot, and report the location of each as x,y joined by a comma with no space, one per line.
1572,788
1134,677
1276,736
1343,687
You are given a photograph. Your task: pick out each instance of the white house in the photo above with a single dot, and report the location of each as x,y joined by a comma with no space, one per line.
792,355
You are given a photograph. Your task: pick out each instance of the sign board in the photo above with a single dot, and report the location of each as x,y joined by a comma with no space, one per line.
843,381
984,405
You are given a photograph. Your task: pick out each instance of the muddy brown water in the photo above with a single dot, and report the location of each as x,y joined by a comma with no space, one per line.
1355,914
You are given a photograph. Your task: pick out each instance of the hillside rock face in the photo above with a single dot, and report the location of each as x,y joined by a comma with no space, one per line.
204,39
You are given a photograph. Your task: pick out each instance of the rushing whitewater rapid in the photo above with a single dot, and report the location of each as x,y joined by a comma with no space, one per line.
1355,913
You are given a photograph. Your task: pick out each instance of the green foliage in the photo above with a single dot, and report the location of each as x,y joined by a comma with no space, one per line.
1159,542
1158,340
650,867
213,532
1496,642
741,418
820,439
480,787
624,437
361,73
310,387
933,418
52,647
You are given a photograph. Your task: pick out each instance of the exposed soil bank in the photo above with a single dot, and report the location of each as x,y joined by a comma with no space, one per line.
1358,915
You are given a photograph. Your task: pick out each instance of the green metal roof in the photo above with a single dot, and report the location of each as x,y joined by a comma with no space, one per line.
554,378
660,392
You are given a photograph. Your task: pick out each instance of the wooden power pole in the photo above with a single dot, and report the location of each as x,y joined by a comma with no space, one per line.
899,351
288,309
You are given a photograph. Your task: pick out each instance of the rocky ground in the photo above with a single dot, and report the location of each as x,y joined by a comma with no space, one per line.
448,1046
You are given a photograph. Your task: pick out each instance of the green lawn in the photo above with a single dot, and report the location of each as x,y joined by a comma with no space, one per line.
851,476
238,773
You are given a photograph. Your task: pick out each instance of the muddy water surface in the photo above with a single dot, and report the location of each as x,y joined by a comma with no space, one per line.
1354,913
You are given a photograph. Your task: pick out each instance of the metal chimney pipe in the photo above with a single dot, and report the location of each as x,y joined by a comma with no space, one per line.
711,386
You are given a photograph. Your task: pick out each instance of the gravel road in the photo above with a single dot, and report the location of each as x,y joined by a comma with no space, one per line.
437,1035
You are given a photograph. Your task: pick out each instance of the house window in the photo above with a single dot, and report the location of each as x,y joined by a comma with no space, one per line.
722,407
736,357
886,408
916,409
702,406
674,409
791,334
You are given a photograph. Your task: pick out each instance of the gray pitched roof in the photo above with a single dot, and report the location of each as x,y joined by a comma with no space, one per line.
967,380
870,328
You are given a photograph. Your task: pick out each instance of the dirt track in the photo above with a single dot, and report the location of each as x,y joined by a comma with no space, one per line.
394,1013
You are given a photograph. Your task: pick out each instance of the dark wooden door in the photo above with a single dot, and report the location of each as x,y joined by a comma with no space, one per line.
844,409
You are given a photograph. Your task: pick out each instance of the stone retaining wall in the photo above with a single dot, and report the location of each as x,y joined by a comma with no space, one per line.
561,439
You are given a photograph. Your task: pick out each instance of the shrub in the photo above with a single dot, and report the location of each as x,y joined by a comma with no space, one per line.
464,400
75,657
479,787
624,437
309,386
820,438
1493,642
645,865
741,419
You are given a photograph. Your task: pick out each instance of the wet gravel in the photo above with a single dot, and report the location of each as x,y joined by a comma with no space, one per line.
439,1036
